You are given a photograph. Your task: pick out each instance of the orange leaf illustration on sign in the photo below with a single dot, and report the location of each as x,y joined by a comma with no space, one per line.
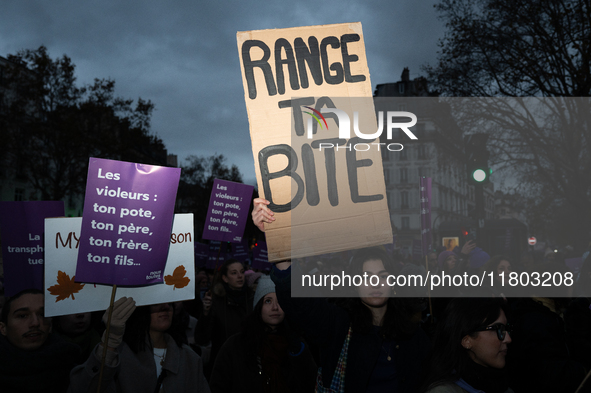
65,287
178,278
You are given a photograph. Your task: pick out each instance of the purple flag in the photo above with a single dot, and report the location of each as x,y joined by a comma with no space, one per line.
127,222
227,212
417,250
23,226
425,195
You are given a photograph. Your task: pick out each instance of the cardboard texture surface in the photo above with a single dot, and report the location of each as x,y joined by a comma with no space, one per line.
283,71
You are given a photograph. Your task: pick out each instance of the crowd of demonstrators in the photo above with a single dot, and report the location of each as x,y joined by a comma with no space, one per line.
225,306
267,356
494,340
367,343
32,359
548,348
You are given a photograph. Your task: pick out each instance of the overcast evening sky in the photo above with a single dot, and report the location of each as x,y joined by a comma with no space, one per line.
182,55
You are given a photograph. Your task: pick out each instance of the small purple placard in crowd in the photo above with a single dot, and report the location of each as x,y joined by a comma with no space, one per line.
217,255
228,209
240,251
126,223
260,256
23,225
201,254
425,195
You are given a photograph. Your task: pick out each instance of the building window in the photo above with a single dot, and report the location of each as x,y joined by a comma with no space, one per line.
423,172
422,152
401,87
404,200
19,194
403,175
403,155
420,131
405,222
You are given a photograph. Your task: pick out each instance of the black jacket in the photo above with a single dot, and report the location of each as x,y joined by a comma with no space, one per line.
237,371
327,325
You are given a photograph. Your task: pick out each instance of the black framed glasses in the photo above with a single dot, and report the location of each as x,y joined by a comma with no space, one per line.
500,328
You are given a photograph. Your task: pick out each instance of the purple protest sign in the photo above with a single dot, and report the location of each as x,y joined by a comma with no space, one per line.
240,251
23,226
201,254
260,256
127,222
227,212
217,254
425,195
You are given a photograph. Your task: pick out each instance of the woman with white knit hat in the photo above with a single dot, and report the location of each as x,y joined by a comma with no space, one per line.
266,356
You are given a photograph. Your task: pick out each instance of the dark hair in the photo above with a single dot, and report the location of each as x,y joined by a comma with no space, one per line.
493,263
137,329
8,301
449,360
254,331
223,271
397,321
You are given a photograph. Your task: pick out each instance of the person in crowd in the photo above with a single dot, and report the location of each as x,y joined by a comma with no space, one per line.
542,359
469,348
32,359
577,317
500,266
186,323
267,356
432,265
367,343
447,261
78,328
224,308
143,354
252,279
477,257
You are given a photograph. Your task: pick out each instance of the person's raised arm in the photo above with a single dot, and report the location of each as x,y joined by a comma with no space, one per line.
122,310
261,214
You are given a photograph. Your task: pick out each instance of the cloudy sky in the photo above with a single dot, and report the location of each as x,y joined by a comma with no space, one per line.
182,55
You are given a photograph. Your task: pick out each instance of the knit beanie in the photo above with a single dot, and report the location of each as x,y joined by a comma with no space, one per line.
251,277
443,256
478,257
265,287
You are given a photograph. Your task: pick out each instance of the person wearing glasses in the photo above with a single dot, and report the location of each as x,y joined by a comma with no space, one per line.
469,348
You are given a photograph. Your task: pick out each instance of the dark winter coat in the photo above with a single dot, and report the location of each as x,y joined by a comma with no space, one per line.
224,319
328,324
237,371
539,359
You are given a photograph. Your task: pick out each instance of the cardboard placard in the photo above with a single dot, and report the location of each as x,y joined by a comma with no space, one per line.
286,74
64,296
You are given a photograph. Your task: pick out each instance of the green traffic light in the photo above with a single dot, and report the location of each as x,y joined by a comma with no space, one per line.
479,175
